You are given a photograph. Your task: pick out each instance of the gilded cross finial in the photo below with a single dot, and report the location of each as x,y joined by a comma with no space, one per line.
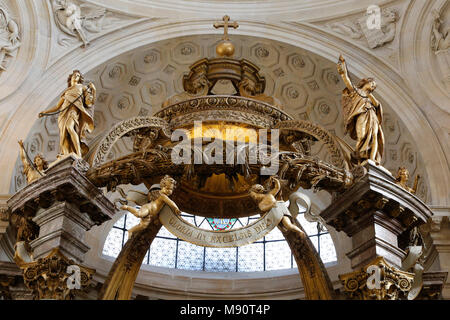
225,24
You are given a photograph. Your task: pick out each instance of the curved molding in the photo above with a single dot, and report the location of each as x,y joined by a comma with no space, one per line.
237,9
391,86
320,134
416,49
18,71
122,128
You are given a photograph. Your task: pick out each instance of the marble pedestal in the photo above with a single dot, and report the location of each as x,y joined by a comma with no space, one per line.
64,204
376,212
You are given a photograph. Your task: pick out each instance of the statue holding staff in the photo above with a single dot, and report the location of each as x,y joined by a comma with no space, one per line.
32,170
74,121
363,115
403,178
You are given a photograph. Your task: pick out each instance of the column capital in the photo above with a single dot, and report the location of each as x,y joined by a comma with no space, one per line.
55,277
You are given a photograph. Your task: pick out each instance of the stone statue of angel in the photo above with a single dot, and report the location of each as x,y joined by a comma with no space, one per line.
75,19
440,37
9,37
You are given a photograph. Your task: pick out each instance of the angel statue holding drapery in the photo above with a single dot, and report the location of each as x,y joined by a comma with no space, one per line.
266,201
75,19
149,212
363,115
74,120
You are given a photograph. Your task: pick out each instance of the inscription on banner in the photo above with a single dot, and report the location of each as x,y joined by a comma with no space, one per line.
224,239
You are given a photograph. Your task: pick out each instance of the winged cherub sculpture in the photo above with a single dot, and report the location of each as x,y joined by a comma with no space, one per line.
75,19
266,201
149,212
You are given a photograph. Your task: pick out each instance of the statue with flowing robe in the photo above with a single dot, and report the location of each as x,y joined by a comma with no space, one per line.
363,116
74,119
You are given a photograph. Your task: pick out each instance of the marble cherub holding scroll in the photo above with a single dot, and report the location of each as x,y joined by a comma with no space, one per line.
266,201
150,211
74,119
363,116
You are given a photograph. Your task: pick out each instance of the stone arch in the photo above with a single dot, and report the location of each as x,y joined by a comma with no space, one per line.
306,37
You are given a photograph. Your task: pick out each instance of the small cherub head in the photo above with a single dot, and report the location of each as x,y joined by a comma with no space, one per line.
249,85
367,84
40,163
167,185
390,15
75,78
70,9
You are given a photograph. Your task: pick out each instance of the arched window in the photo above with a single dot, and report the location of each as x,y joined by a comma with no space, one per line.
270,253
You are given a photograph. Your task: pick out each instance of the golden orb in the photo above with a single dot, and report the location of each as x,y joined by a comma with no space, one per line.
225,49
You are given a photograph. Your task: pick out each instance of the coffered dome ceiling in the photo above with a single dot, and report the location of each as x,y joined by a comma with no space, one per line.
308,86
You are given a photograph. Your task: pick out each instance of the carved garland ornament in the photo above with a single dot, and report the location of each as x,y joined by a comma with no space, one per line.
121,129
209,103
337,158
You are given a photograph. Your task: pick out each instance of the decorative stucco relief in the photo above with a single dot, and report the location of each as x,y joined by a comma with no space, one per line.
9,37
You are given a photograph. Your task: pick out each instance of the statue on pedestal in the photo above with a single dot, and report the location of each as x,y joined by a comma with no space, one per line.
363,115
32,170
74,120
267,201
149,211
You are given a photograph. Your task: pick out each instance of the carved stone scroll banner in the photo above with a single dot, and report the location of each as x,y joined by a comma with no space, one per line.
223,239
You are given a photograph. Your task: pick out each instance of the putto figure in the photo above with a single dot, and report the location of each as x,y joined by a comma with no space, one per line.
32,170
150,211
363,115
266,201
74,121
9,37
440,40
75,19
402,180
